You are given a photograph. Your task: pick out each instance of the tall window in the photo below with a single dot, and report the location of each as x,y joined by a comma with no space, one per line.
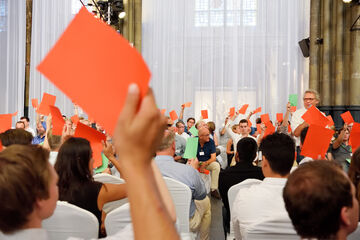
225,13
3,15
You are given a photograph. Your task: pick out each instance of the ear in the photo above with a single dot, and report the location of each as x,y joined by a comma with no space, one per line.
345,216
264,162
237,157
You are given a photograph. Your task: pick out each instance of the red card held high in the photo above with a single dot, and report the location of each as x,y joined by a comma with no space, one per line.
188,104
316,142
265,118
314,116
204,114
279,117
355,136
243,109
232,111
173,115
5,122
118,65
34,102
57,121
257,110
95,138
46,101
347,117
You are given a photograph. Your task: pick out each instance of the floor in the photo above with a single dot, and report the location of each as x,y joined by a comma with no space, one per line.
216,228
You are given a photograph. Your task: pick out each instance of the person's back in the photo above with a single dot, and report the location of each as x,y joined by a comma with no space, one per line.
264,202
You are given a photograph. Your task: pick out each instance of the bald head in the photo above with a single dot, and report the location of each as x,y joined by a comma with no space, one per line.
204,135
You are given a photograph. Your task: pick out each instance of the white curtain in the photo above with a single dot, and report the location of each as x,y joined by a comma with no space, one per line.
220,54
50,18
12,56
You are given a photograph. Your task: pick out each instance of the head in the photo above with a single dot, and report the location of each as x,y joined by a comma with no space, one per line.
211,127
15,136
204,135
41,128
311,97
180,126
243,127
354,171
320,200
201,124
190,122
167,146
73,164
235,128
20,125
170,122
278,154
346,135
303,135
28,187
246,150
25,120
54,141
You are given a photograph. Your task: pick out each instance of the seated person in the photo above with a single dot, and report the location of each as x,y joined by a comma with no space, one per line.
321,201
264,202
244,169
15,136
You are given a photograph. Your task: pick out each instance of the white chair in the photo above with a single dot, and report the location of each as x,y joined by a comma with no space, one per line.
355,235
69,220
232,192
117,219
107,178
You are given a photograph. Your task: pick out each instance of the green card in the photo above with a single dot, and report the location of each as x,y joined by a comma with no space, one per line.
194,131
105,163
293,99
191,147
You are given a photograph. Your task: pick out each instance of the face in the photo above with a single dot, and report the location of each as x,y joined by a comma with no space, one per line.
19,125
243,128
47,206
309,100
204,135
181,128
190,123
346,135
40,129
26,123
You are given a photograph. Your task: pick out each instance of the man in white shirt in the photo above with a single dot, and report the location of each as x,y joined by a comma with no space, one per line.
26,122
244,131
311,97
263,202
180,126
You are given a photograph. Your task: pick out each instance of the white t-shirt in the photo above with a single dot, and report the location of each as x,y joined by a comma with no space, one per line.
235,136
296,120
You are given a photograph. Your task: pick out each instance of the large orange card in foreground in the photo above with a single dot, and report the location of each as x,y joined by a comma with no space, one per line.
314,116
94,65
5,122
316,142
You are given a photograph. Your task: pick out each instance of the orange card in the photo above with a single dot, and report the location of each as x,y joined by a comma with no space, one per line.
116,66
75,119
173,115
279,117
265,118
293,109
289,129
163,111
258,128
257,110
270,129
314,116
188,104
331,121
354,140
95,138
5,122
57,121
346,116
249,123
47,100
1,146
232,111
316,142
204,114
14,114
35,102
243,109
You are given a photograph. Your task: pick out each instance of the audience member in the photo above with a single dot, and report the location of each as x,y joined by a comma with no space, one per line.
264,202
200,211
41,132
15,136
282,127
180,142
212,127
354,171
206,154
321,201
311,98
180,126
244,169
20,125
243,128
190,123
26,122
341,149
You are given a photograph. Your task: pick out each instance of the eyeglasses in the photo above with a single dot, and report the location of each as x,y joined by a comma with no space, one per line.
309,99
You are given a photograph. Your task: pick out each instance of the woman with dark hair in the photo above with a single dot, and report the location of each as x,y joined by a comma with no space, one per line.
354,171
76,184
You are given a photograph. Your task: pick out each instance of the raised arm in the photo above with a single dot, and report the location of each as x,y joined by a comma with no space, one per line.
285,122
340,138
181,116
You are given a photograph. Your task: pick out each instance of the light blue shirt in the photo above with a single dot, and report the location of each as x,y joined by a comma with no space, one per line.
185,174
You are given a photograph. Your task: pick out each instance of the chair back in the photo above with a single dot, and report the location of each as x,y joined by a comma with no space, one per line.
181,196
69,220
118,219
232,192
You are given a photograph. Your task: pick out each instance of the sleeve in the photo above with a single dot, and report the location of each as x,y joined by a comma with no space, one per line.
213,148
199,190
229,130
296,120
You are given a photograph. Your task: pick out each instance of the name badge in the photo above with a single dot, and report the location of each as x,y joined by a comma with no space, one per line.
201,153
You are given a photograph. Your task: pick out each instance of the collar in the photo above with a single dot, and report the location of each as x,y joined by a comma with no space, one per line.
275,181
164,158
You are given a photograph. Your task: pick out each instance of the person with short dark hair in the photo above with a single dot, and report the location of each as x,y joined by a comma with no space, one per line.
26,122
263,201
20,125
321,201
244,169
15,136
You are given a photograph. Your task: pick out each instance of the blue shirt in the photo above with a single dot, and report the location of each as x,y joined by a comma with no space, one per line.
204,153
38,140
183,173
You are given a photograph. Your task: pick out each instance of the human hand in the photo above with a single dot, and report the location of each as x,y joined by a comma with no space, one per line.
202,167
139,129
48,122
194,162
108,150
288,107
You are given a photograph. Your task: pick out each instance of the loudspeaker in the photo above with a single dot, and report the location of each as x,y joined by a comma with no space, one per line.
305,47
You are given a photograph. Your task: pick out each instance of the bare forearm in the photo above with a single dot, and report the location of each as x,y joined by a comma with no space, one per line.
299,129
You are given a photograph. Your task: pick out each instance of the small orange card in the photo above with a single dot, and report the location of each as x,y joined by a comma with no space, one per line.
279,117
232,111
188,104
354,140
243,109
249,123
265,118
314,116
57,121
35,102
293,109
204,114
331,121
46,101
5,122
75,119
316,142
163,111
258,128
173,115
257,110
270,129
95,138
346,116
116,65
